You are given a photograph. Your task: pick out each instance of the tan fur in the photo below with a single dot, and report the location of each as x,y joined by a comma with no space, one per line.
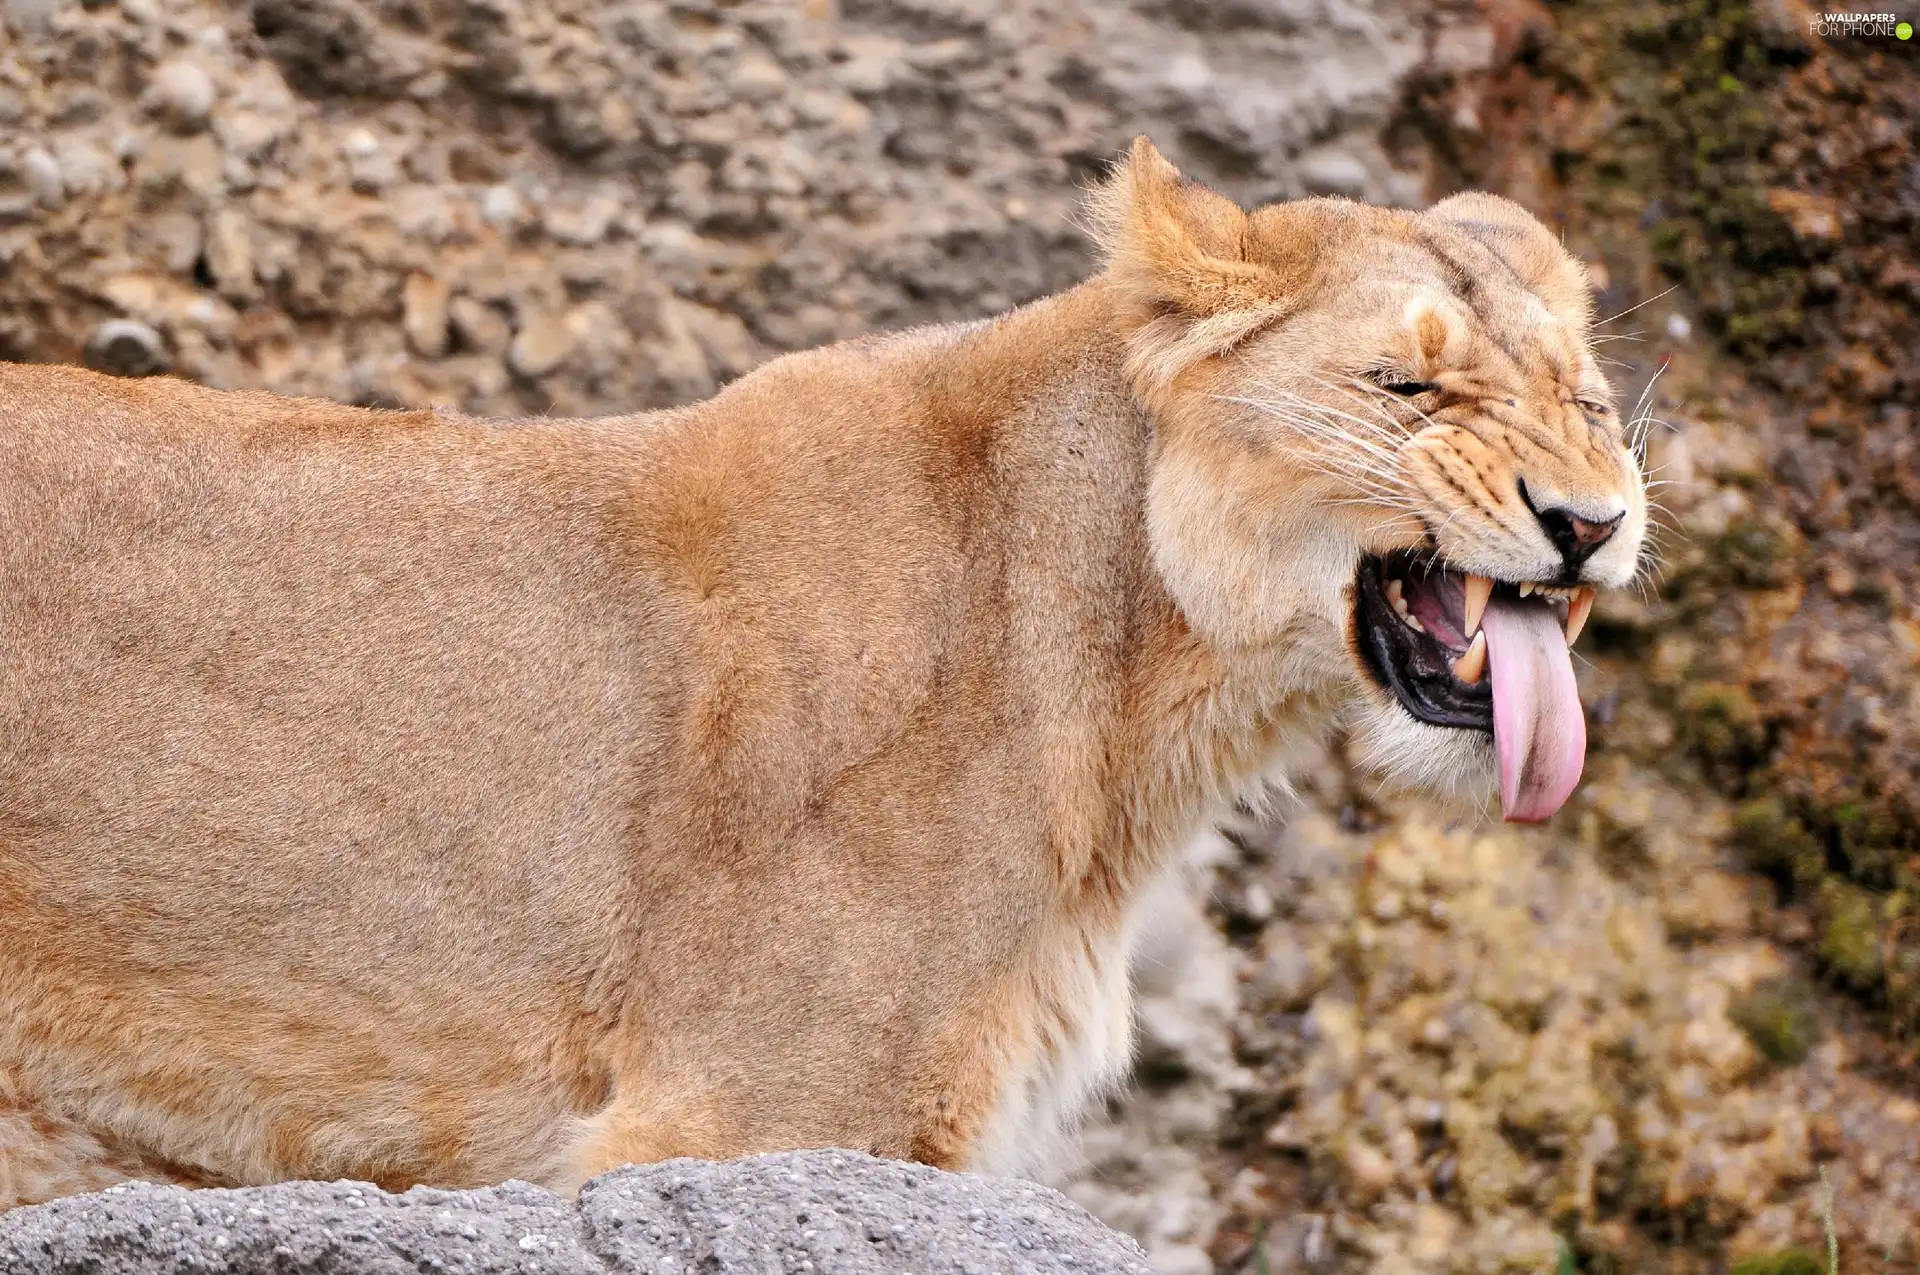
421,799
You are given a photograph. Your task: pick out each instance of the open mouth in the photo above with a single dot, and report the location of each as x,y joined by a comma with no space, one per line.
1464,651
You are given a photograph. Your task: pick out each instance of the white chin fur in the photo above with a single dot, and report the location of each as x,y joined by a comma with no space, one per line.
1407,753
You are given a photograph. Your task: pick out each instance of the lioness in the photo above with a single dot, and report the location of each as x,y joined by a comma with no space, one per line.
407,797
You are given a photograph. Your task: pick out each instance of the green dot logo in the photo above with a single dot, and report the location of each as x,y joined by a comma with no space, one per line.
1904,30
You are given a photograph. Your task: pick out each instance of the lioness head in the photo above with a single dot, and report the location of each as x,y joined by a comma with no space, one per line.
1382,440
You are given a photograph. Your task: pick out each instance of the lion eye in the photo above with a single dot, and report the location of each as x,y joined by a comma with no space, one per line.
1406,389
1588,405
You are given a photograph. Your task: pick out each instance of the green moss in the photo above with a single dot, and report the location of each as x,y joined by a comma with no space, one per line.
1792,1262
1778,1017
1683,132
1900,951
1721,722
1691,79
1852,864
1850,934
1870,837
1777,842
1758,555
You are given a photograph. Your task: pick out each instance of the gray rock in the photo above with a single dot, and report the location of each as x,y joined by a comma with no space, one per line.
842,1212
824,1212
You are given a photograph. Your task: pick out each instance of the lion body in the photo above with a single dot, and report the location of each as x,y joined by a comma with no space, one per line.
420,799
413,798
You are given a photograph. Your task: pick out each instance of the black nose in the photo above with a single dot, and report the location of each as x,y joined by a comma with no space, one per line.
1575,537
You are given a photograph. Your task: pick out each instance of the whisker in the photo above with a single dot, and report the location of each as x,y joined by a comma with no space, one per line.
1318,428
1388,424
1285,400
1630,309
1330,456
1357,469
1392,431
1376,397
1349,417
1640,405
1642,416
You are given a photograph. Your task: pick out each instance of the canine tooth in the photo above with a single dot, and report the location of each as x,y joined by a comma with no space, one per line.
1413,622
1577,611
1472,666
1526,588
1479,589
1395,594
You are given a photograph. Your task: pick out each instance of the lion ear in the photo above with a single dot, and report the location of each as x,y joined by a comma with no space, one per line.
1518,238
1178,252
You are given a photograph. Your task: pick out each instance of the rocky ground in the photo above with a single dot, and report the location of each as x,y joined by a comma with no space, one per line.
1414,1043
1381,1036
797,1213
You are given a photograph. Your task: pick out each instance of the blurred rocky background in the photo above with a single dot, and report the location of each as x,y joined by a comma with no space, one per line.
1374,1037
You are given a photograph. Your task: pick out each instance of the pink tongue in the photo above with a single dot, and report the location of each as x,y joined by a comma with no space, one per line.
1539,728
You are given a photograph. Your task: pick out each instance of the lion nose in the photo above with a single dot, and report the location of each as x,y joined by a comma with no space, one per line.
1575,537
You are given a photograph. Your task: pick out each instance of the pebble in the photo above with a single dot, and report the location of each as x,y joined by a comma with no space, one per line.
479,325
371,167
1369,1173
184,94
584,225
425,303
757,78
500,207
230,255
176,233
41,172
194,162
540,346
87,169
